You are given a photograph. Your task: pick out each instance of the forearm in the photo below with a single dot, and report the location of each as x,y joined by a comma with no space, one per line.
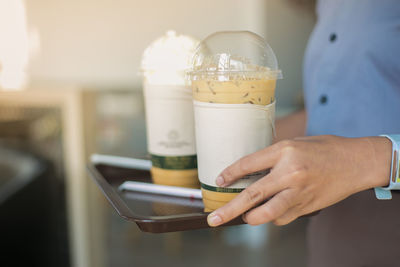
291,126
375,152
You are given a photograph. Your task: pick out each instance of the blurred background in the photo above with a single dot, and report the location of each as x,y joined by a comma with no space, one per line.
69,88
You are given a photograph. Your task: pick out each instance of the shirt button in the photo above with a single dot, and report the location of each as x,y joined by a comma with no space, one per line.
332,37
323,99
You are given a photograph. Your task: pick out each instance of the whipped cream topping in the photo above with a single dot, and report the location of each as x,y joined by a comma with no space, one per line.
167,58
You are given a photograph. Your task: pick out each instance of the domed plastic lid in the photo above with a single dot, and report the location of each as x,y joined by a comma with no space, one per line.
234,55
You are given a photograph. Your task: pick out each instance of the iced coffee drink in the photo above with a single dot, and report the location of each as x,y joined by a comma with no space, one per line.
234,104
241,90
169,110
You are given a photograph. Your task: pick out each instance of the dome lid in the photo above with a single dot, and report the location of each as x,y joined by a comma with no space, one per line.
234,53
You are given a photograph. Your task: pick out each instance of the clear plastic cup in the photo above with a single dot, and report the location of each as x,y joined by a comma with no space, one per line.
169,110
233,77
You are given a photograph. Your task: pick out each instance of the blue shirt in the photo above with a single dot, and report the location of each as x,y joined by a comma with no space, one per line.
352,88
352,69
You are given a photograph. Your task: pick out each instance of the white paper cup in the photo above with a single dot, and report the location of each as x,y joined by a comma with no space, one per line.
233,79
224,134
170,134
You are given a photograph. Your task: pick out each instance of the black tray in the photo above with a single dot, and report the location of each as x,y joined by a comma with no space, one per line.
152,213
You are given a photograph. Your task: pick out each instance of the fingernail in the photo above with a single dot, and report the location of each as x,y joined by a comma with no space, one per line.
213,219
220,180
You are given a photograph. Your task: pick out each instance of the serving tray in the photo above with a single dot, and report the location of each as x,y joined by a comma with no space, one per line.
153,213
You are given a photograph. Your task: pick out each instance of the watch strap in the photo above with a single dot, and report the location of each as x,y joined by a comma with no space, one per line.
383,193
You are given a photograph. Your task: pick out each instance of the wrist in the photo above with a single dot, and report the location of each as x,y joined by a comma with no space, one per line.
381,157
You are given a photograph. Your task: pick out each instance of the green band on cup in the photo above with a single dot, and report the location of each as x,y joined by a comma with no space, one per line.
221,189
174,162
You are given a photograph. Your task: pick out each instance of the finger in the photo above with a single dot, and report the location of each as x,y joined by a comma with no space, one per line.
271,210
288,217
248,198
258,161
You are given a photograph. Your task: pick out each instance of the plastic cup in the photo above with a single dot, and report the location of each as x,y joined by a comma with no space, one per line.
169,110
233,79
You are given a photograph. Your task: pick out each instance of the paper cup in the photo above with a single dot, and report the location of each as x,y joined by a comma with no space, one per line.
233,81
227,132
170,134
169,110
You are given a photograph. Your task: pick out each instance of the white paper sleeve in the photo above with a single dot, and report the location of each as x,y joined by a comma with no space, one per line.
227,132
169,120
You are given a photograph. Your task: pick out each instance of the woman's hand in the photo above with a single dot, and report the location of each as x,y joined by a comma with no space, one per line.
307,174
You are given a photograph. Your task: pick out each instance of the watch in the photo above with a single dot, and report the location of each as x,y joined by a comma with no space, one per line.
385,192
